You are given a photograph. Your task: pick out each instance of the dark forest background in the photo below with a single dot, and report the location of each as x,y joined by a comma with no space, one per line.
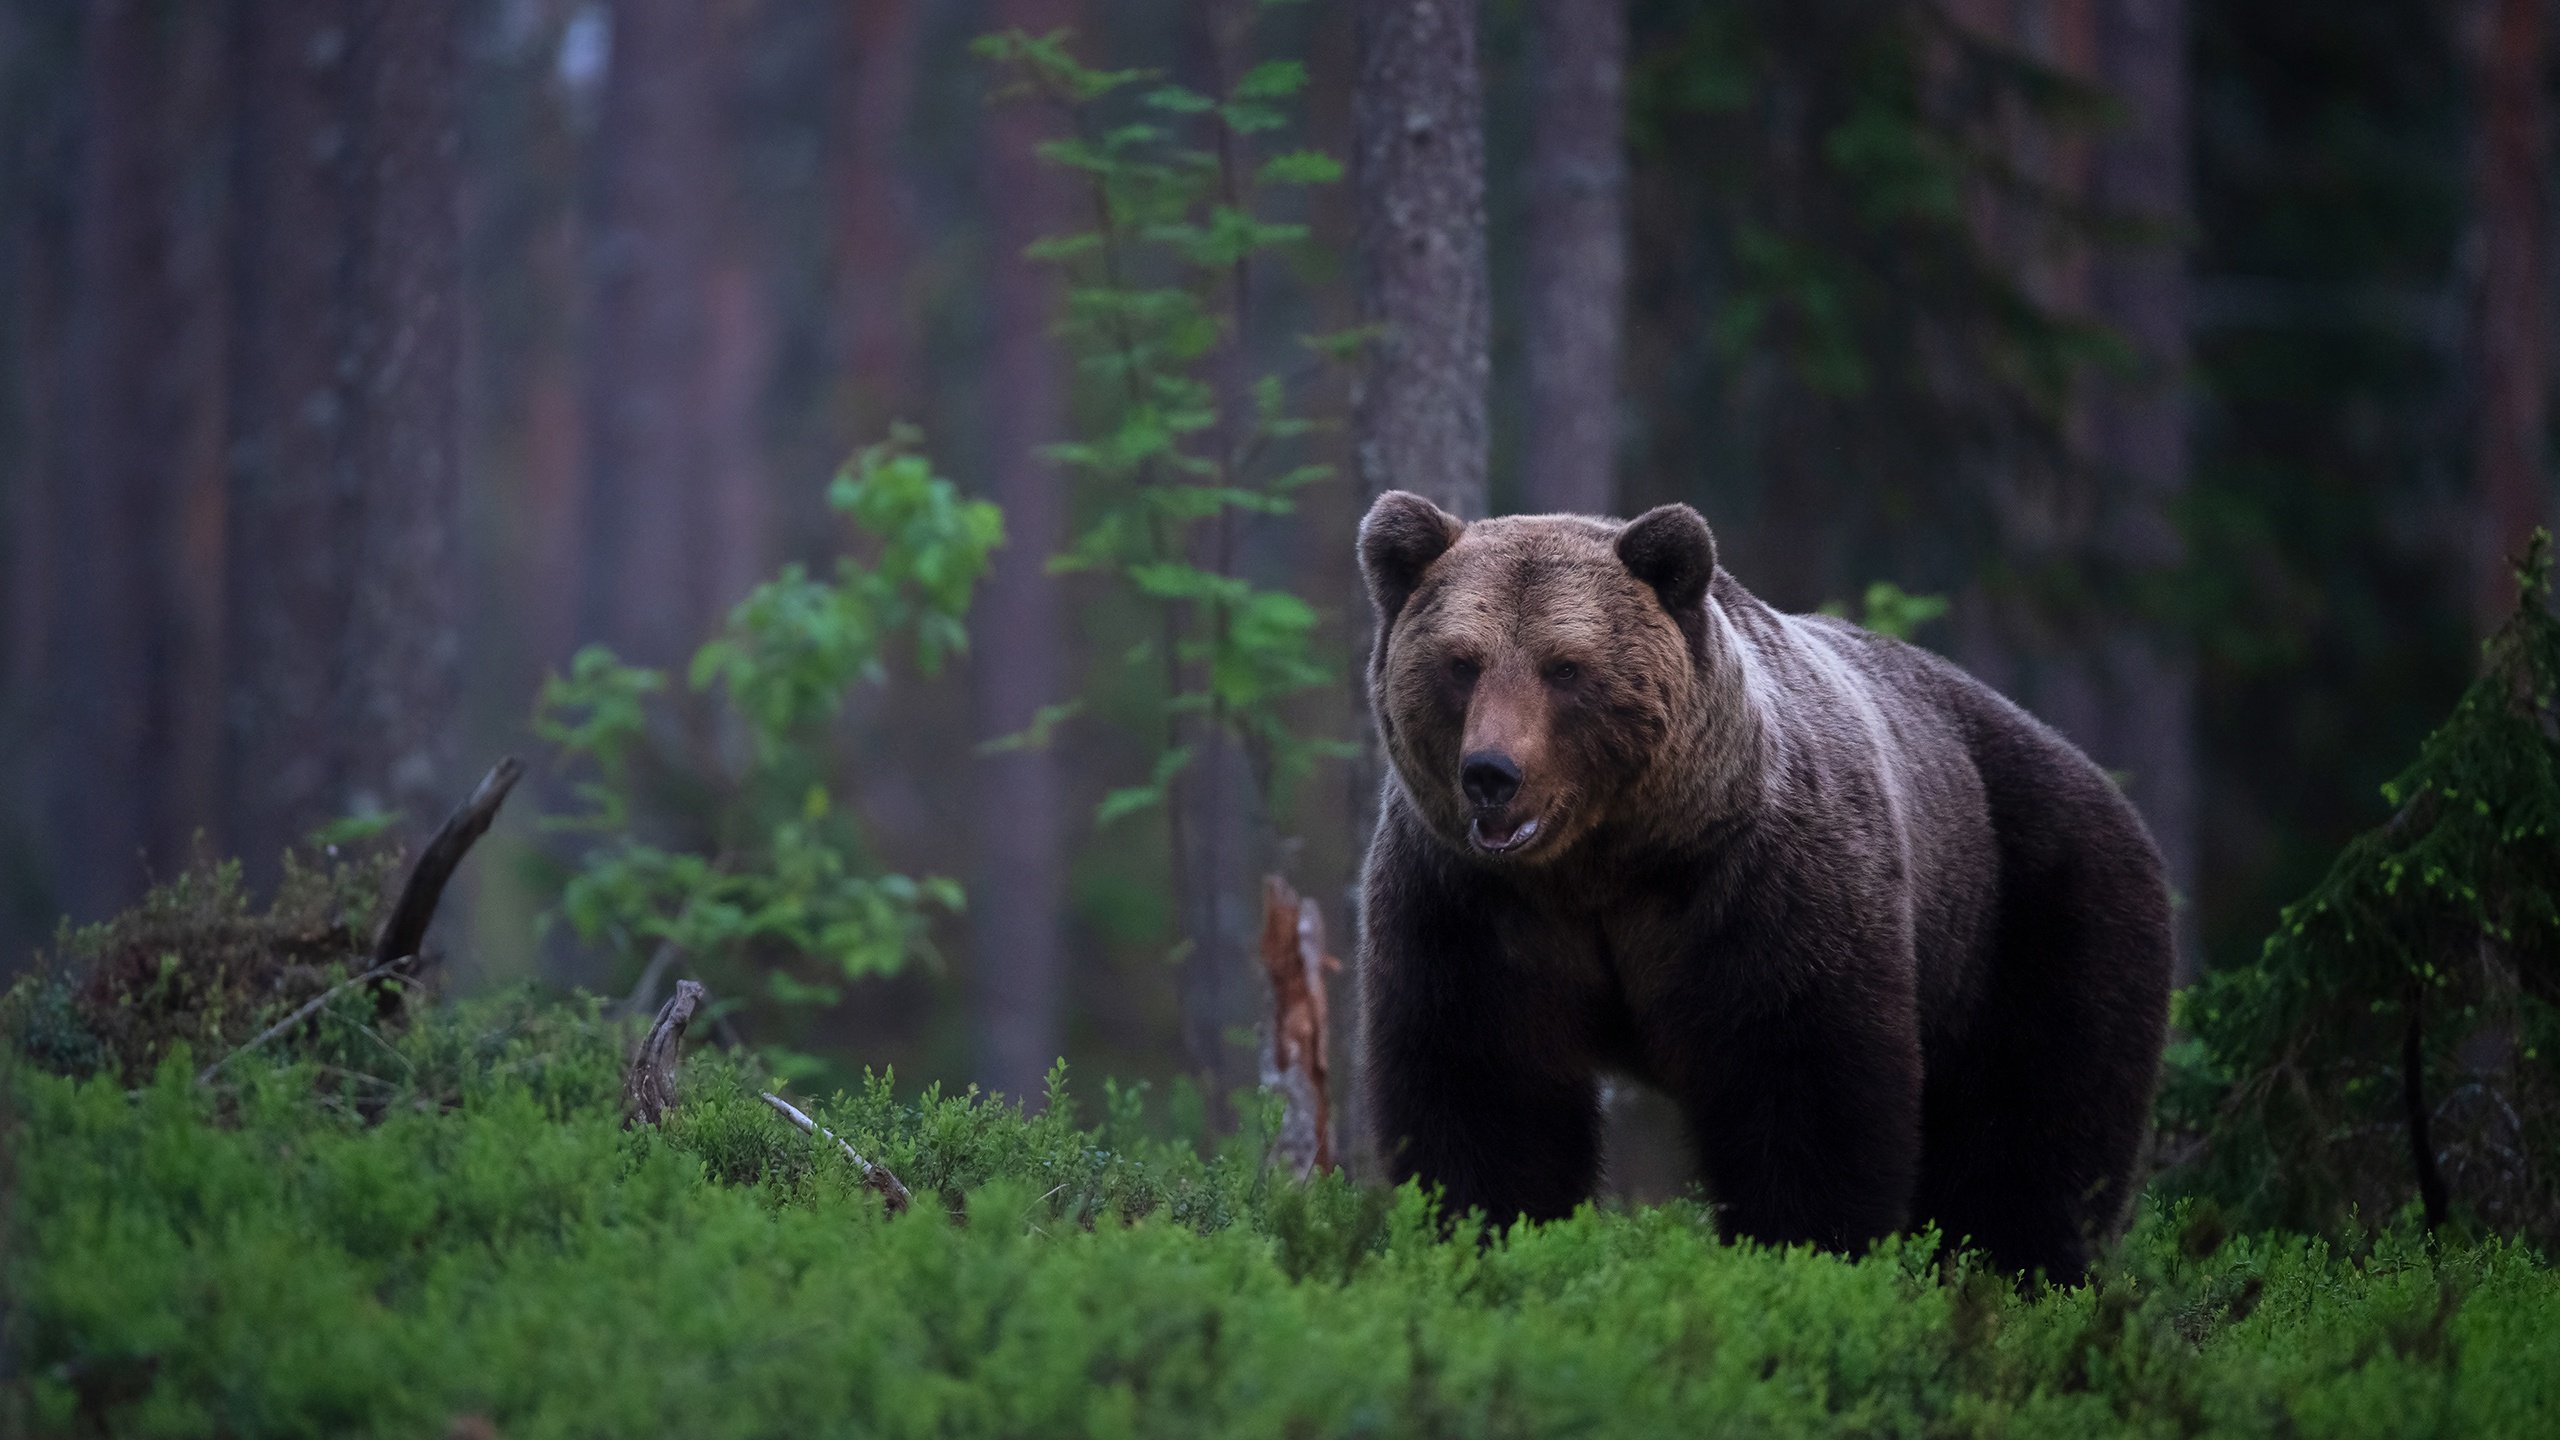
361,360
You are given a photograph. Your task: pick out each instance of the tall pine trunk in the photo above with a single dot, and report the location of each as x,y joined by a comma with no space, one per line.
1418,408
2140,428
1019,641
1576,253
115,654
649,586
2513,315
2110,675
343,557
1418,167
875,319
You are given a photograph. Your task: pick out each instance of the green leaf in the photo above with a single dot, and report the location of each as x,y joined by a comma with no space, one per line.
1272,80
1038,734
1177,100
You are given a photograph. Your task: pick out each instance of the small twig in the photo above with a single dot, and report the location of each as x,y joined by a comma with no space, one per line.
649,1091
305,1011
875,1176
404,933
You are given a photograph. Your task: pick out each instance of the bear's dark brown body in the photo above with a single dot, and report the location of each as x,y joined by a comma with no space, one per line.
1900,952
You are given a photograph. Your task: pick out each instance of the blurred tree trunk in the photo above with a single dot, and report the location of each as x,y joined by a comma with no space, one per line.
2106,674
1418,166
36,230
2140,428
1222,838
650,588
114,657
344,565
1576,254
876,215
2513,315
1418,408
1020,639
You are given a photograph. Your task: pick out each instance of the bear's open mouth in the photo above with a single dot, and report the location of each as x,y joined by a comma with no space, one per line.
1495,836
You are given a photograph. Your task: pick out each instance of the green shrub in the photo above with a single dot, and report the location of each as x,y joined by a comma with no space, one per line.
2396,1042
197,964
746,865
496,1248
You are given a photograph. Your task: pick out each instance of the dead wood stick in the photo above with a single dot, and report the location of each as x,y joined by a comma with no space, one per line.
649,1090
302,1012
1294,1065
876,1176
404,934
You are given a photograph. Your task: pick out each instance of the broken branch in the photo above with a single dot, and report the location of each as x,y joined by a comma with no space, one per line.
649,1091
404,933
876,1176
1293,954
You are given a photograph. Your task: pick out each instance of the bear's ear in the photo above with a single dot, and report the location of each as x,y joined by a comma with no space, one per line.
1670,548
1400,537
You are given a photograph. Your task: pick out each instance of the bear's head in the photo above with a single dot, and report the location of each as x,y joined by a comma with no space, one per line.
1531,673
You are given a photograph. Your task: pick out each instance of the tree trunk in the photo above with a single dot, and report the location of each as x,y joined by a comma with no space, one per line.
2109,678
2140,427
401,686
876,203
343,552
1418,166
1577,253
1418,408
39,53
651,506
117,620
2514,314
1020,642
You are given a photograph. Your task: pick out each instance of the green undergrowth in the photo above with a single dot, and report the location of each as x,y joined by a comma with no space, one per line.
468,1241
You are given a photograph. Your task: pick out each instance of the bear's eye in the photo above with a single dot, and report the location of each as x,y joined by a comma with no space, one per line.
1464,671
1564,672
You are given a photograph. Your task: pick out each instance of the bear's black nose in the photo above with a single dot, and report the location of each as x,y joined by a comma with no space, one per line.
1490,778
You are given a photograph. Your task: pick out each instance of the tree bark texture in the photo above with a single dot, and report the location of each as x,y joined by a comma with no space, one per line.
1418,405
2108,676
875,312
1418,166
116,615
1018,657
343,559
2513,315
2140,427
660,516
36,248
128,631
1576,253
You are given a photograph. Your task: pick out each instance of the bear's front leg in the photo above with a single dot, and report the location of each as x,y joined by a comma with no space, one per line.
1507,1132
1807,1120
1474,1070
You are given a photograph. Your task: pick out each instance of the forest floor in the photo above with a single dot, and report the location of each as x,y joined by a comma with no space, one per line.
459,1236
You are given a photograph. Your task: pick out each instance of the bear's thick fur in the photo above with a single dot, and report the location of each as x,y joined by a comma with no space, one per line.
1900,952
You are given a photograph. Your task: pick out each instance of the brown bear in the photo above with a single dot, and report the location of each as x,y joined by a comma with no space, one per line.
1900,952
